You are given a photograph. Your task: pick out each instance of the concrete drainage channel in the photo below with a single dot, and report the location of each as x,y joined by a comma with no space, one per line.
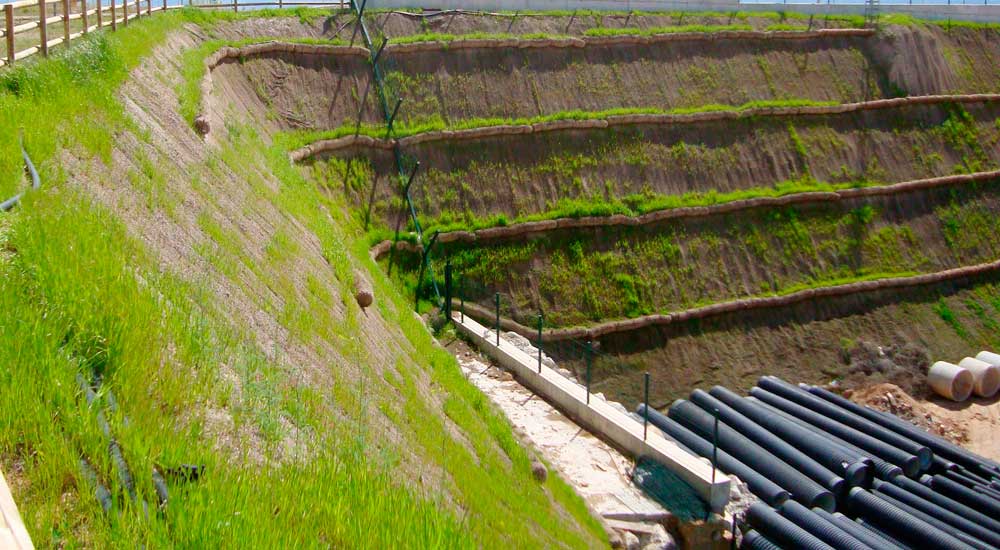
830,473
553,412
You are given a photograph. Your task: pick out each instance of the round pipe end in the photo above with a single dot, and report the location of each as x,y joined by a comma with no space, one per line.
857,475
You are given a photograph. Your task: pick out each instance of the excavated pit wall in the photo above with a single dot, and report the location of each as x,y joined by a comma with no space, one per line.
463,79
584,276
527,77
532,167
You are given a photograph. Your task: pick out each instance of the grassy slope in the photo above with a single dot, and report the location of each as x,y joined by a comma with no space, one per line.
78,291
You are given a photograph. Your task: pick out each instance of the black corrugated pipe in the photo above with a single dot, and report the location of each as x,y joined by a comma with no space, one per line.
963,494
880,533
100,491
798,485
820,528
752,540
778,447
899,523
877,466
947,503
988,492
764,488
941,447
907,461
857,531
781,530
963,477
798,395
814,445
981,532
942,526
35,180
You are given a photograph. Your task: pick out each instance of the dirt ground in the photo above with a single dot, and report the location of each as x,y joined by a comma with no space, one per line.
972,424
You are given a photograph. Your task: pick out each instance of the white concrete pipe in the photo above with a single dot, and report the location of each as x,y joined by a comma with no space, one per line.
950,380
989,357
986,376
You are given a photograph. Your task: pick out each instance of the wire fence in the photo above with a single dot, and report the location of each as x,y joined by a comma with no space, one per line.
581,357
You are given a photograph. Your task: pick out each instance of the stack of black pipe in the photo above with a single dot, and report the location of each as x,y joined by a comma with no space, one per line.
830,473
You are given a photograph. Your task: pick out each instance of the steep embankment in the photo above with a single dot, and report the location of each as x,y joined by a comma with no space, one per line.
211,289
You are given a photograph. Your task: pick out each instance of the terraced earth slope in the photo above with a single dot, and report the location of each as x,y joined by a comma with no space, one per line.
708,199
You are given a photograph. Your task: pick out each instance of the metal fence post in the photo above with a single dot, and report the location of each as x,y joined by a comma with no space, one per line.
461,296
43,29
645,409
447,291
540,321
496,299
8,13
590,352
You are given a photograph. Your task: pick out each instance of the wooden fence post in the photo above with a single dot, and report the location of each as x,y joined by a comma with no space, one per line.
8,12
83,14
114,26
138,9
236,6
149,7
100,16
65,7
164,5
42,29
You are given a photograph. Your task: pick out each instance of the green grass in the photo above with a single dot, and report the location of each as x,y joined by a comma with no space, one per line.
637,204
447,38
294,140
604,31
77,288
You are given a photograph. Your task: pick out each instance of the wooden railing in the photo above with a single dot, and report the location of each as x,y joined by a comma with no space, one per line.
33,26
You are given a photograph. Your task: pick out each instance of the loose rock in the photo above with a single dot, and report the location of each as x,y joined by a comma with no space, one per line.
201,125
539,471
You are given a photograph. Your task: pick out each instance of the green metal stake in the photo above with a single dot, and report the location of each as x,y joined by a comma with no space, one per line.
461,294
715,451
496,298
590,351
447,290
645,410
540,343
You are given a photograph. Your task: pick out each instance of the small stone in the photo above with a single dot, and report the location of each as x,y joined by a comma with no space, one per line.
631,541
539,471
364,298
659,539
201,125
